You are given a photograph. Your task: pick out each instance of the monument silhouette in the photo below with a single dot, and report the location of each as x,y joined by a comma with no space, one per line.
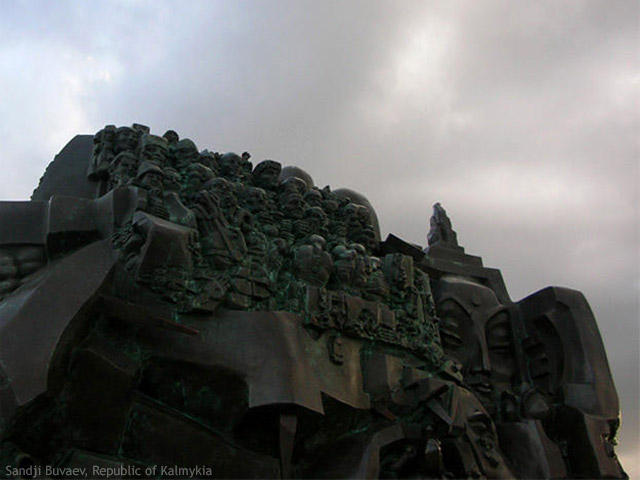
184,309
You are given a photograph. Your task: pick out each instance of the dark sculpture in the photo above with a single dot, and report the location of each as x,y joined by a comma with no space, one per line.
166,312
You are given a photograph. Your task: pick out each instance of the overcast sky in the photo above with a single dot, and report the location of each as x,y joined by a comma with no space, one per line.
522,118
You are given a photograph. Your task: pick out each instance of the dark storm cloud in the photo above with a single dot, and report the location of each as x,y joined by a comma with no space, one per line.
522,118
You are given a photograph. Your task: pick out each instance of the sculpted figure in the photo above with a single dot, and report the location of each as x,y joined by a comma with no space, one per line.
209,160
221,244
344,259
263,210
315,222
510,355
123,169
377,287
235,167
226,191
312,263
313,198
266,174
150,179
126,140
178,212
252,325
184,153
172,180
476,331
103,153
171,137
154,149
197,175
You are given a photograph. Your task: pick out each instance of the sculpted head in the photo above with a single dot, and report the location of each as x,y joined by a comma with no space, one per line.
185,152
171,180
224,190
293,206
476,330
171,136
316,218
313,198
398,270
154,149
150,176
126,139
230,164
266,174
255,199
123,167
197,176
318,242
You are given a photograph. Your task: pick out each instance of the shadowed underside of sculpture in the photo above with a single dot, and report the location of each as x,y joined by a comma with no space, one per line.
173,312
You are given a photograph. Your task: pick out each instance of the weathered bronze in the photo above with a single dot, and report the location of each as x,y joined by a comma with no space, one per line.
161,306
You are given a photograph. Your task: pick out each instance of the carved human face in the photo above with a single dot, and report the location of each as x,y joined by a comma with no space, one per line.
330,205
398,270
224,191
185,152
345,262
476,330
109,135
194,181
368,238
125,165
363,215
256,200
293,206
350,213
153,180
171,136
316,218
230,165
126,139
482,437
171,180
313,198
155,149
128,164
267,174
293,186
318,242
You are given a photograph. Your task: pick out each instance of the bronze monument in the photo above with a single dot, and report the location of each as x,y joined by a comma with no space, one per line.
167,312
